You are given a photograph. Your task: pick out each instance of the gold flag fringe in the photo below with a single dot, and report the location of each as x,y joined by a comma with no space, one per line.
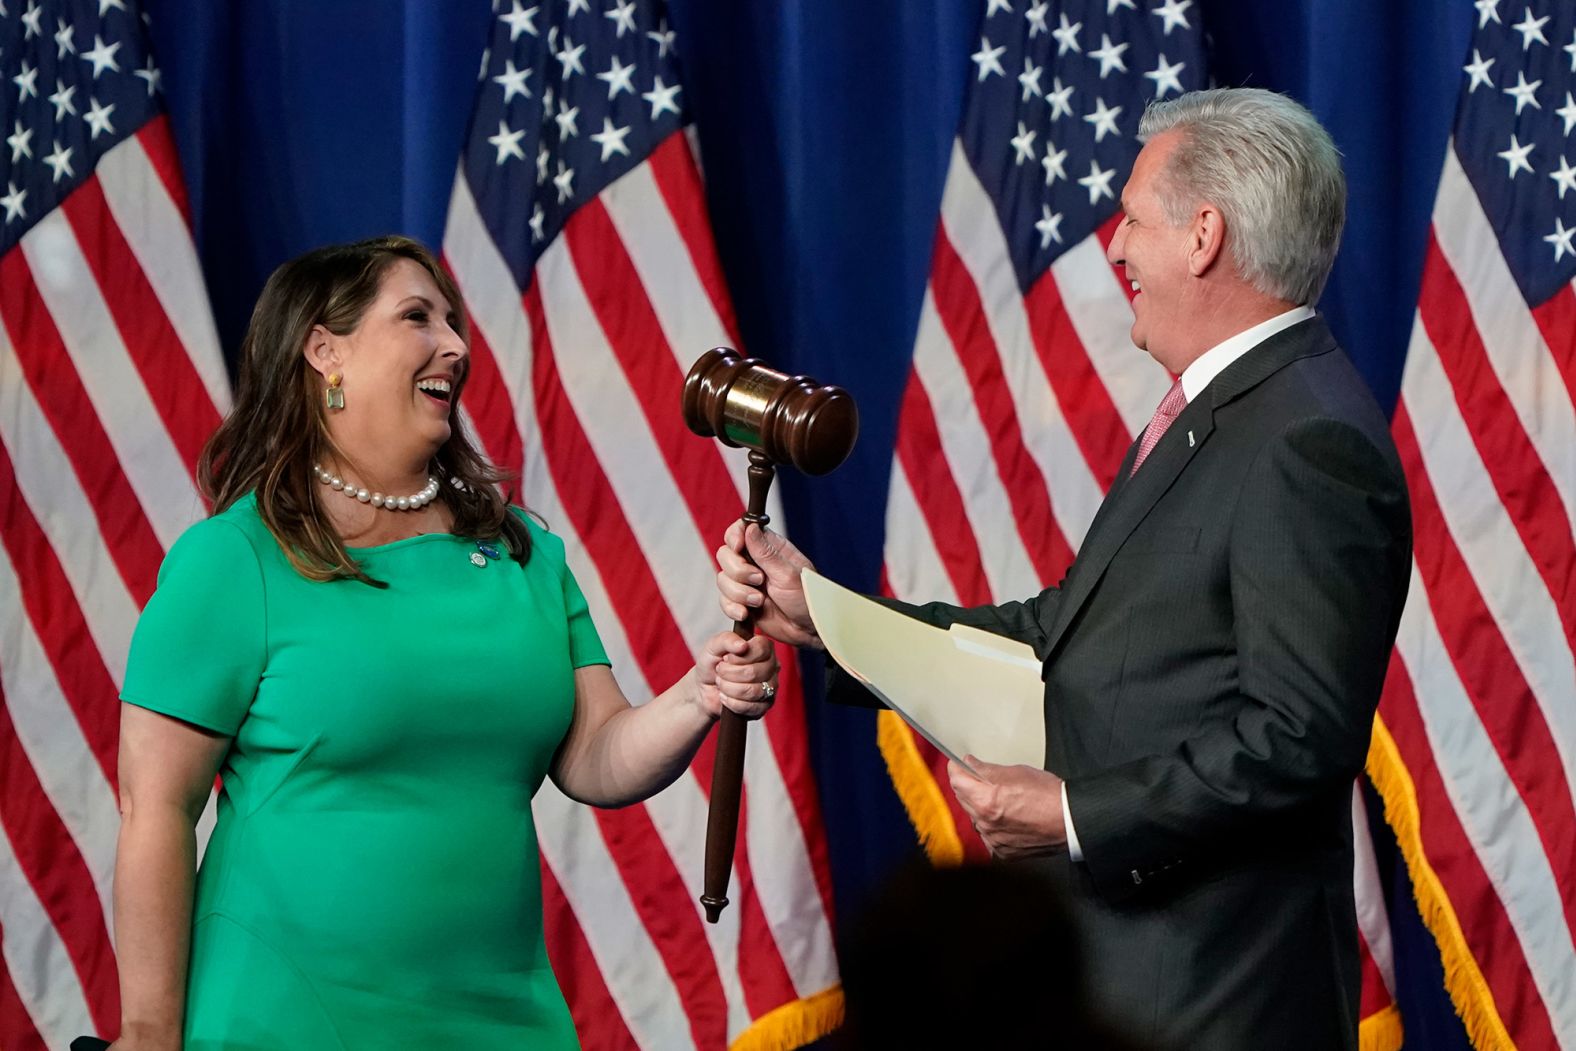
794,1024
917,788
1464,981
1380,1031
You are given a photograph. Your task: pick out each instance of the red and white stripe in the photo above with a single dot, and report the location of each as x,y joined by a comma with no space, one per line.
1015,419
576,384
1373,923
1482,699
110,380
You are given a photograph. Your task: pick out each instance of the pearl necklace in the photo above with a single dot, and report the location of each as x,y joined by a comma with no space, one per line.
428,493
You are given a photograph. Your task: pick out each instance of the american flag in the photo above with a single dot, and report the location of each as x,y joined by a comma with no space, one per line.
1026,390
110,380
1475,752
578,235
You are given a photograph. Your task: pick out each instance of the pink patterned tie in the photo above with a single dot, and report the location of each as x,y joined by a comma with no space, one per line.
1171,407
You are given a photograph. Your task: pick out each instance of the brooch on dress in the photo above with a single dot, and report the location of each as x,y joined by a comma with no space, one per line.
484,551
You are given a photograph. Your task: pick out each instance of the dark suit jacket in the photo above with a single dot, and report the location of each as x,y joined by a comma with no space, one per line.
1213,659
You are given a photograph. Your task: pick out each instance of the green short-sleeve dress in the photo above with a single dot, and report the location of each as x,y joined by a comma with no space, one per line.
372,881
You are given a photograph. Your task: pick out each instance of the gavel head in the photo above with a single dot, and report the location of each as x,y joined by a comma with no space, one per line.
788,419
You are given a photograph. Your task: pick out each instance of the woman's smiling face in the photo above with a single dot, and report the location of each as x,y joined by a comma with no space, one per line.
401,366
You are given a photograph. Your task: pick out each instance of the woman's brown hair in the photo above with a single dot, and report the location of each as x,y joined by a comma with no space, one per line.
277,430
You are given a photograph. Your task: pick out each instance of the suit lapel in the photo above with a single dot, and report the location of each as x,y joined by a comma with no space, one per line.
1131,499
1129,504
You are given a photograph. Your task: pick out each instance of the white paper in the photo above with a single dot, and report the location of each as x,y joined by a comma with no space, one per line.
966,691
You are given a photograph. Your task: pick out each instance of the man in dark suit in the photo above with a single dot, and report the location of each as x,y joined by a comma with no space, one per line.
1214,655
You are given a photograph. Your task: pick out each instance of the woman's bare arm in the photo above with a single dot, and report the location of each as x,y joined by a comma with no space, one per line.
167,769
615,754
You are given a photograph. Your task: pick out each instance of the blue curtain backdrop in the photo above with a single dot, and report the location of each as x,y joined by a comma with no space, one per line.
825,128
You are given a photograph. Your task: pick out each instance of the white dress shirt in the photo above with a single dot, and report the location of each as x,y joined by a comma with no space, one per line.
1214,361
1195,378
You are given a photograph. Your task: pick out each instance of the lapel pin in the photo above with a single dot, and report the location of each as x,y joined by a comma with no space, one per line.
1190,442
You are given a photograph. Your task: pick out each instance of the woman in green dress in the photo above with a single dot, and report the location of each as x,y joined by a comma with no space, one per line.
381,660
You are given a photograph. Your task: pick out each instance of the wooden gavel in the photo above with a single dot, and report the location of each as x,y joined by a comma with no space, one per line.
780,419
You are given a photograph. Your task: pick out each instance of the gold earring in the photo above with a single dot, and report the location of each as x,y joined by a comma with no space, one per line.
334,396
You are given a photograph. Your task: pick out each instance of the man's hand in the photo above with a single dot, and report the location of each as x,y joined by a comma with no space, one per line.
1017,810
770,586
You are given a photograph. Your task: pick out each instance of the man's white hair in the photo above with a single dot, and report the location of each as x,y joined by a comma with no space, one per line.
1273,172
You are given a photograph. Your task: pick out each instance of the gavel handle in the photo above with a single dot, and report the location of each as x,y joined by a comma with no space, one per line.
722,822
727,770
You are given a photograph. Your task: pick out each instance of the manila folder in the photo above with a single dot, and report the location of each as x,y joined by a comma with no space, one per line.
967,691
